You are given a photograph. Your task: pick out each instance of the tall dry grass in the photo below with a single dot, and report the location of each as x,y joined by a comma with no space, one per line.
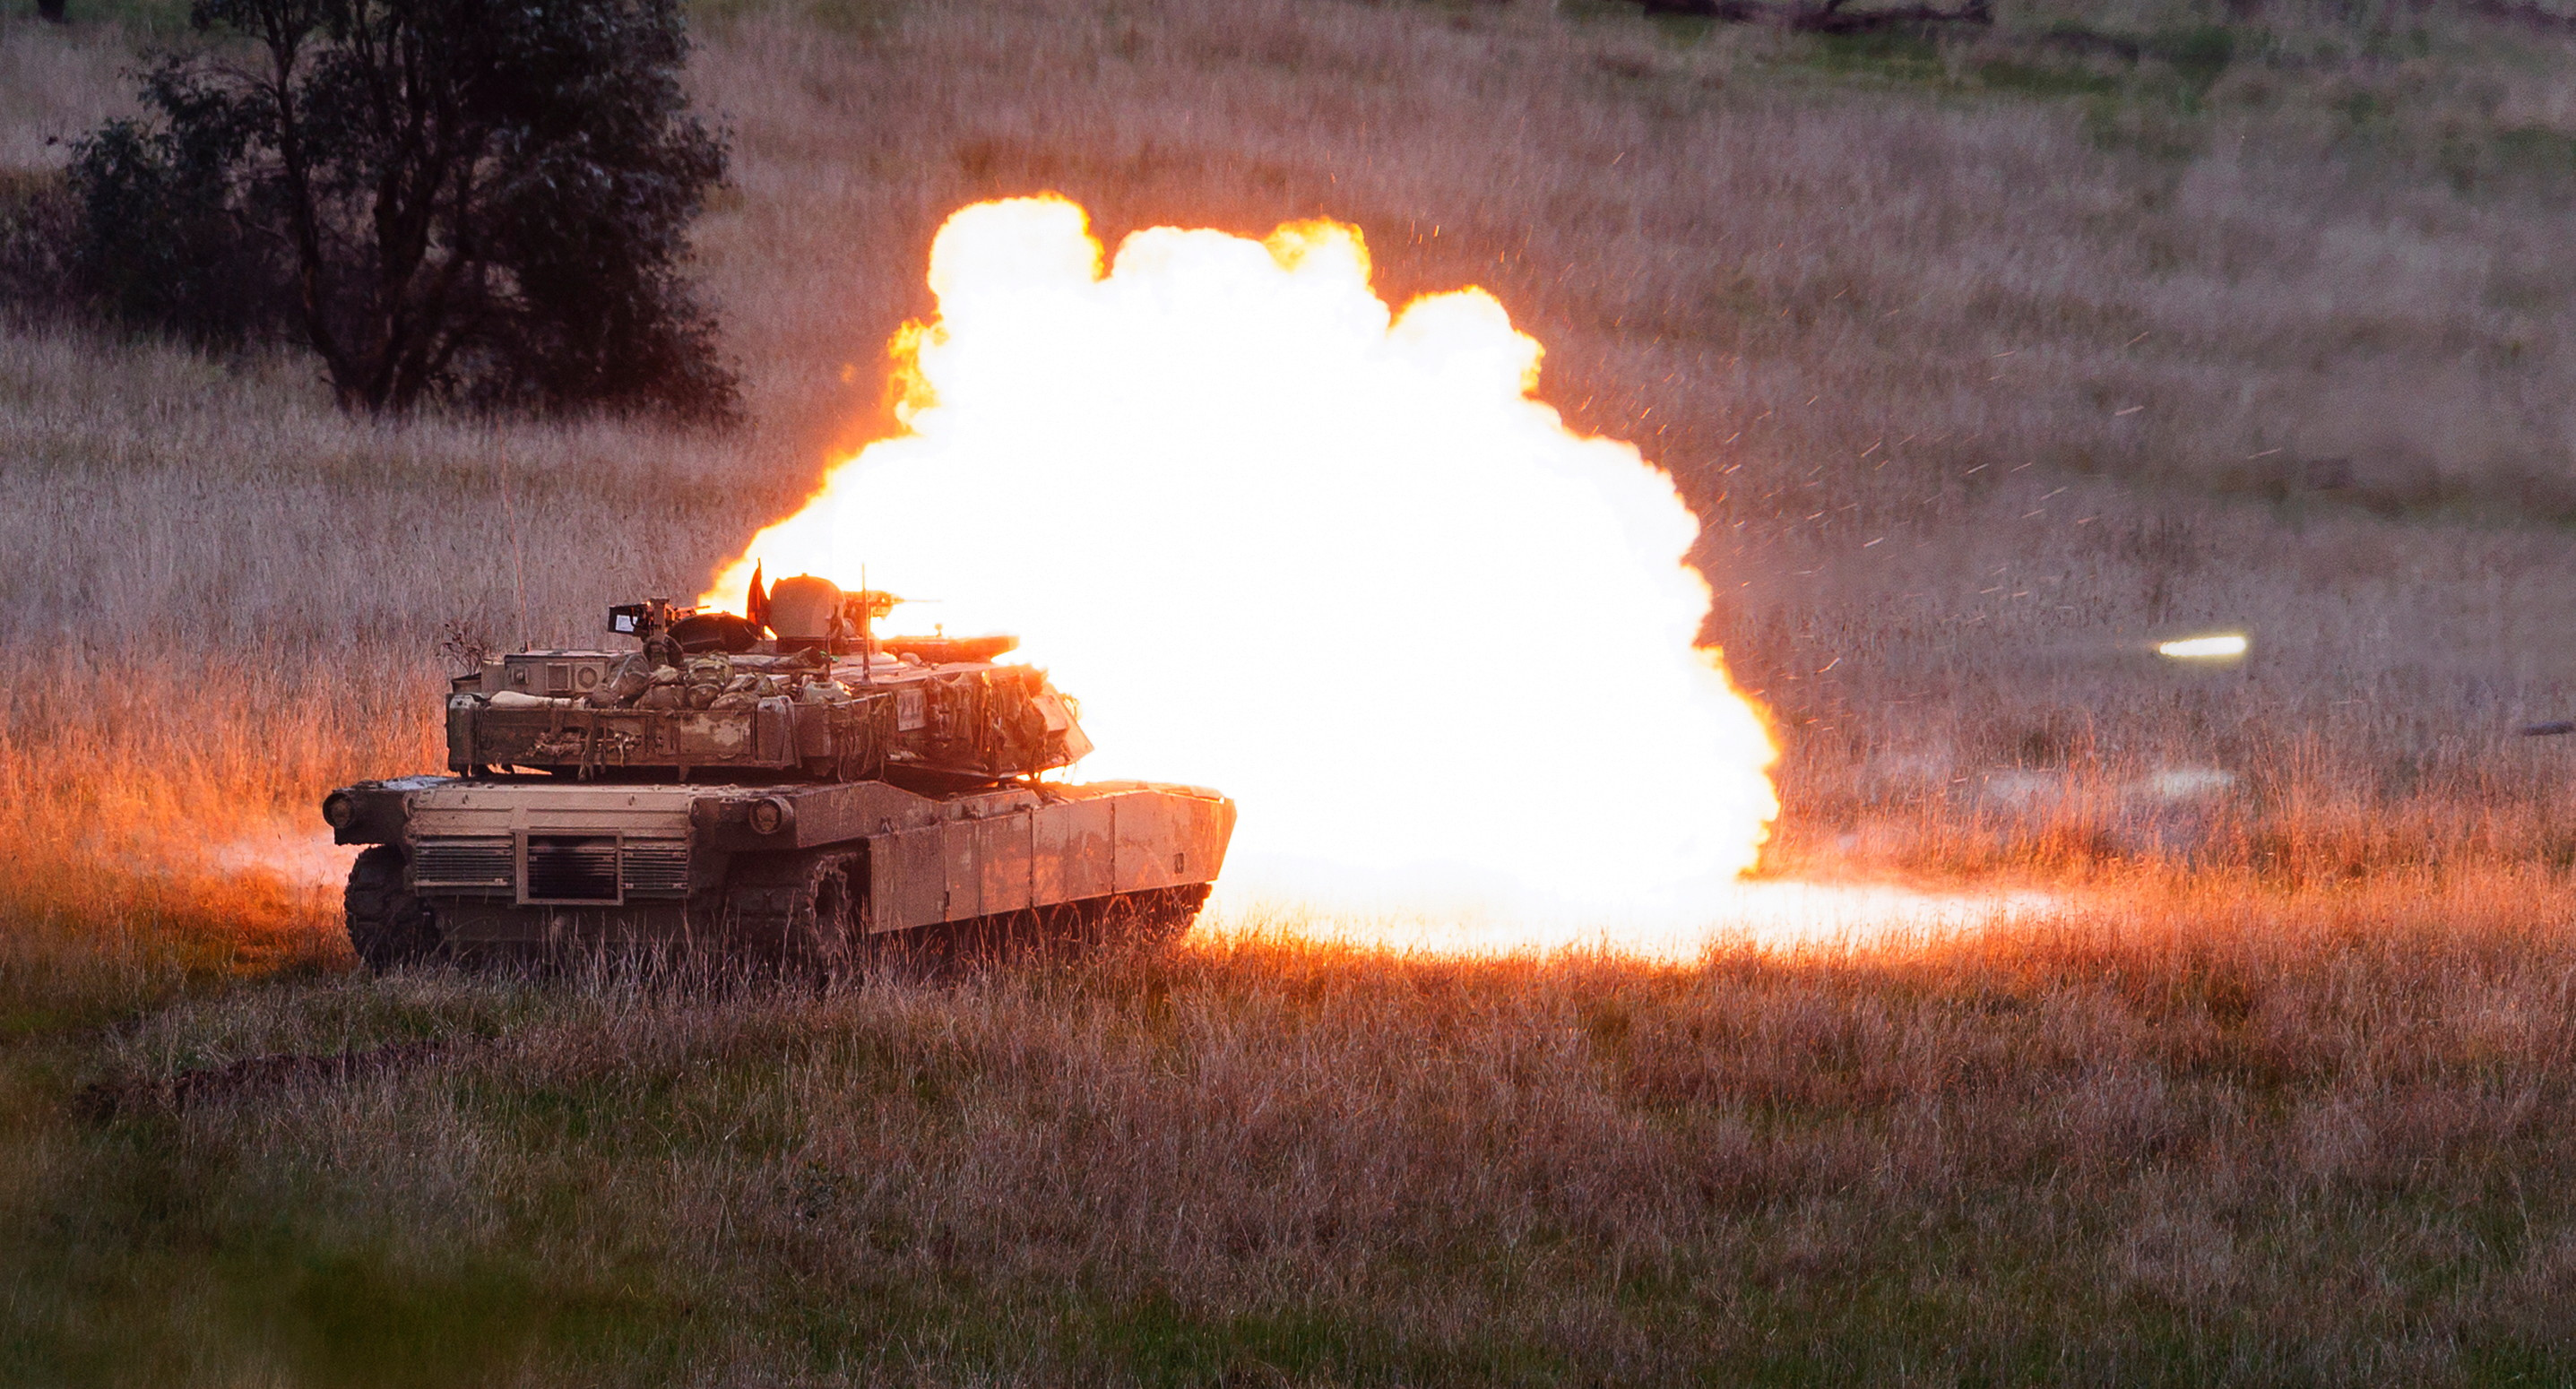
2175,1139
1984,364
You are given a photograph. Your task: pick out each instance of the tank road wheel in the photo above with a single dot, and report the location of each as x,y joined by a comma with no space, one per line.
389,927
800,909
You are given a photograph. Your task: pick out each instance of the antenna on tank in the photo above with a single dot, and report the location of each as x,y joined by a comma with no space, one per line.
518,557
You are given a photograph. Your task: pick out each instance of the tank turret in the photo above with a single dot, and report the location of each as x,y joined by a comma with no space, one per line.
805,691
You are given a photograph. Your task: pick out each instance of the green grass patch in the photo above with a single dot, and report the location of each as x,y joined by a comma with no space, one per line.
1889,55
2046,80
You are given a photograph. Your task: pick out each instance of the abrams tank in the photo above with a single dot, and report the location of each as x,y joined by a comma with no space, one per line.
785,784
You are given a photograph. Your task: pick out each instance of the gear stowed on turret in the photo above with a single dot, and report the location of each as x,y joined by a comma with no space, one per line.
784,783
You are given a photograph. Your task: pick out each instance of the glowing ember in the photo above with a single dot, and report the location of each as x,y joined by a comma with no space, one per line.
1330,559
2203,648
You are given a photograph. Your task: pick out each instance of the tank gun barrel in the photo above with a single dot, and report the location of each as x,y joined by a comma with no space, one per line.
2551,729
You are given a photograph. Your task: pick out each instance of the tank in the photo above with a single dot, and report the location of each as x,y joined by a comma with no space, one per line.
783,784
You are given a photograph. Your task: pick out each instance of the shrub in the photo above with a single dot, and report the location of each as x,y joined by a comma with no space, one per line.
454,199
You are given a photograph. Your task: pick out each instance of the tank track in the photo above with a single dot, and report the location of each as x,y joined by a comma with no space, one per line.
797,908
1150,920
800,909
1133,920
388,926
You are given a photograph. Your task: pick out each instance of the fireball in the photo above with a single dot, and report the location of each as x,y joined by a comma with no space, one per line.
1331,558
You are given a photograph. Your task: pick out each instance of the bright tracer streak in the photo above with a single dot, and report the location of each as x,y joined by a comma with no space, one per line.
1331,560
2204,648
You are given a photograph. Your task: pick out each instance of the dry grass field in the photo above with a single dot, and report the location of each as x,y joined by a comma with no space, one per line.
1986,362
2321,1143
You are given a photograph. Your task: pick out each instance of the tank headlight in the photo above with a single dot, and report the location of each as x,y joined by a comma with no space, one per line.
771,815
339,810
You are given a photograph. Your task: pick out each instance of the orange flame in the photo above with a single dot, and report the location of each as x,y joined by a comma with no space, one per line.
1329,558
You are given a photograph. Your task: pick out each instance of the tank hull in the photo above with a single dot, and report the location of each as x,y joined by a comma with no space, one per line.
514,864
